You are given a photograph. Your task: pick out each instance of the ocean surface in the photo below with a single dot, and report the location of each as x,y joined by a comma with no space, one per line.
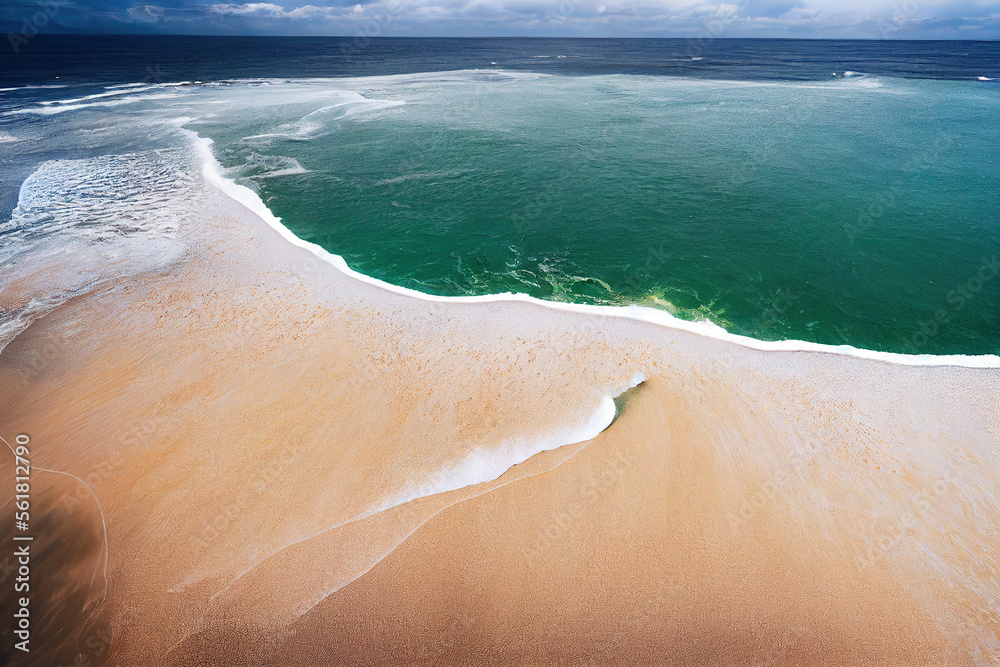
838,192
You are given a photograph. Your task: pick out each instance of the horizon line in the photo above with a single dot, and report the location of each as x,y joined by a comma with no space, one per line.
562,37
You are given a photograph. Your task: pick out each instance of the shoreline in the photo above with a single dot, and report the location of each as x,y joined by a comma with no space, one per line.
248,198
251,416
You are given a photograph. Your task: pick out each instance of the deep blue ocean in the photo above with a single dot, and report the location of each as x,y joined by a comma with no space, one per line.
130,58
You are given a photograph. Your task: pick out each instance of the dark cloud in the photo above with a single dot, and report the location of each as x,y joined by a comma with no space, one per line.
739,18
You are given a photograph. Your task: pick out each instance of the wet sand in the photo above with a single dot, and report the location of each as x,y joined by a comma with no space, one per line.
298,467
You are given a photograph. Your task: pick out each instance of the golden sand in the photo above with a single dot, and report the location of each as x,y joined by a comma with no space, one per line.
280,453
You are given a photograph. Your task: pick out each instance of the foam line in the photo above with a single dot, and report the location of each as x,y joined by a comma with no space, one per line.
54,109
392,547
100,510
212,171
480,466
122,90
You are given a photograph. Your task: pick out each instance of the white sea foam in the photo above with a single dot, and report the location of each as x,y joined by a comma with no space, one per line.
862,80
81,223
416,177
125,89
260,166
288,171
125,85
490,462
7,90
214,174
52,110
96,96
483,464
126,94
323,120
333,112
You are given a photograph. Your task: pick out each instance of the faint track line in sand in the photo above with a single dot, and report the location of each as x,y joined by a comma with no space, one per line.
384,508
388,551
580,447
104,524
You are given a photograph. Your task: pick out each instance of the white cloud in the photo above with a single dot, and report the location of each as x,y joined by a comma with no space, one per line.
743,18
258,9
146,13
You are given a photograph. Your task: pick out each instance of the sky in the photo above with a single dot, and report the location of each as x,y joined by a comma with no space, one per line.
872,19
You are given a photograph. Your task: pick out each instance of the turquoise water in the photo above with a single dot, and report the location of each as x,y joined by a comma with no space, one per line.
859,210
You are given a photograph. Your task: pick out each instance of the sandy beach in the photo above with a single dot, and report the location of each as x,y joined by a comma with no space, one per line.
295,466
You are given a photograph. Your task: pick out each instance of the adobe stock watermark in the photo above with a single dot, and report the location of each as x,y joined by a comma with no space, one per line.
792,119
367,368
562,11
435,651
877,207
245,333
373,27
22,541
957,299
902,12
236,508
94,650
102,471
562,522
775,314
40,358
713,28
32,25
641,615
920,506
782,480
